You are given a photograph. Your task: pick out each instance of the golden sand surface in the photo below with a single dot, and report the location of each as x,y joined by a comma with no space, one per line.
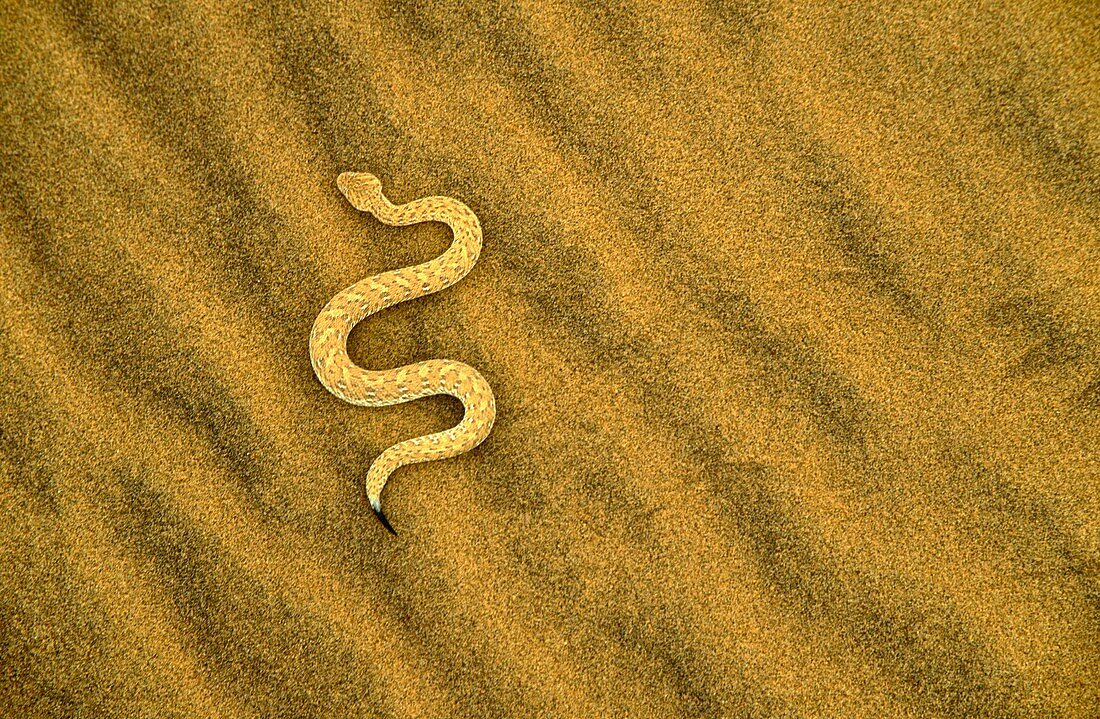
791,309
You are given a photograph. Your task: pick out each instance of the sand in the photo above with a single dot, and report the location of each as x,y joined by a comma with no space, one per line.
792,313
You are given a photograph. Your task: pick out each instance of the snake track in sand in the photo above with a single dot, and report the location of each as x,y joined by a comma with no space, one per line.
328,351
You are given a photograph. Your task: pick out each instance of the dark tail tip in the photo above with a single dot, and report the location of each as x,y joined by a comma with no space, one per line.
382,518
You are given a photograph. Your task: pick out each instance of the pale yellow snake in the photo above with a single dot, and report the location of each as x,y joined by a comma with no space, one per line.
328,349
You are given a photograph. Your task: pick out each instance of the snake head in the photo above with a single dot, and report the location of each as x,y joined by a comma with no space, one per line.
362,189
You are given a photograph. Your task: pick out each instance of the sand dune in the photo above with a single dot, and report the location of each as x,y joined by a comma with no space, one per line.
792,313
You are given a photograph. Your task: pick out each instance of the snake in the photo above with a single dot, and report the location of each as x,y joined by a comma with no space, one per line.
328,351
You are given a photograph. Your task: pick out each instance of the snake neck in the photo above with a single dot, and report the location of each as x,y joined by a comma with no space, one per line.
455,262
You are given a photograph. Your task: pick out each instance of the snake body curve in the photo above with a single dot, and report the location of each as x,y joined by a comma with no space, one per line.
328,340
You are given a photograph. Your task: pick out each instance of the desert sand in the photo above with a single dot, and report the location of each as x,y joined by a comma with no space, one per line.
791,310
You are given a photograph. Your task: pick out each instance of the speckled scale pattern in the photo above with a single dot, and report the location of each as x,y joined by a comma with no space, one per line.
370,388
